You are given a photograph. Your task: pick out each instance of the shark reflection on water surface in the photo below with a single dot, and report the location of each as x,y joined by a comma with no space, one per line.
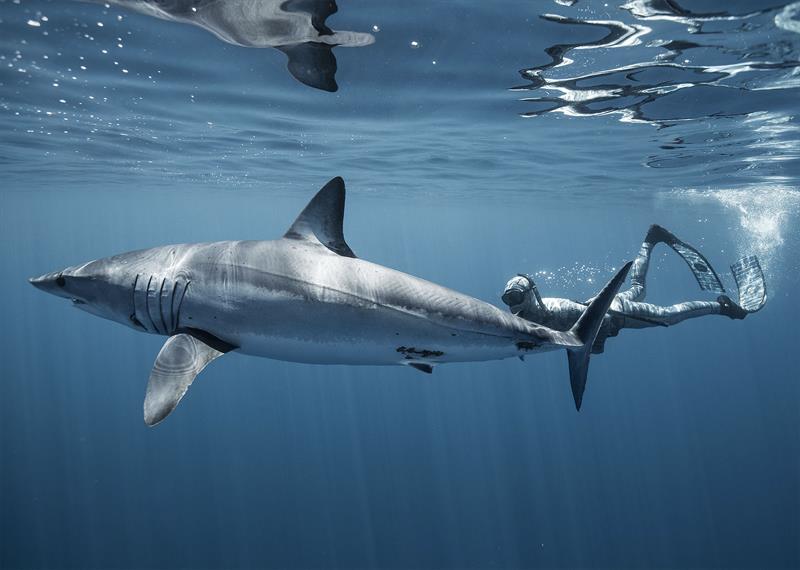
295,27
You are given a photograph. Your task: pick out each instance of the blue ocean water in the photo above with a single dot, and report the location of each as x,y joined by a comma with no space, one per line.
477,140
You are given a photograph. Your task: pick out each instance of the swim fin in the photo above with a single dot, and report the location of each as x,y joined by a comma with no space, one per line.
706,277
751,284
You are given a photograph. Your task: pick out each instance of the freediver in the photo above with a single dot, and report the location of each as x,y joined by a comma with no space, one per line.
628,310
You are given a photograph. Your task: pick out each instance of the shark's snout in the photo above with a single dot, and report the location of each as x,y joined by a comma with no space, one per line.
53,283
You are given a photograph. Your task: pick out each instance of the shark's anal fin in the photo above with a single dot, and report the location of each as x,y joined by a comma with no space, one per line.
181,358
586,330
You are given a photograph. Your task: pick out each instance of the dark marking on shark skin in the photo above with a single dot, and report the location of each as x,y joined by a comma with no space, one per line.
410,352
526,345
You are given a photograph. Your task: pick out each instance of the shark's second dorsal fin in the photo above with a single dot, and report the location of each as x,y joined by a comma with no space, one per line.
321,220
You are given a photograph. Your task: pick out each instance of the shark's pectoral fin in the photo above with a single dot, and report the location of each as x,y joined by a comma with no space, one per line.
181,359
313,64
321,220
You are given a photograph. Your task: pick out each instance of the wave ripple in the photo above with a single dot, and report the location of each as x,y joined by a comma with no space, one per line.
660,63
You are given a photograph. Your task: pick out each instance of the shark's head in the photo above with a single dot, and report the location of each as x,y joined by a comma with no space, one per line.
103,288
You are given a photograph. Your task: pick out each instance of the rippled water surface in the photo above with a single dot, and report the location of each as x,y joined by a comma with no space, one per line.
477,140
710,93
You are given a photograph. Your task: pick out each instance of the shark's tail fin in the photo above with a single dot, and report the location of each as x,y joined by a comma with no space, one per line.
585,331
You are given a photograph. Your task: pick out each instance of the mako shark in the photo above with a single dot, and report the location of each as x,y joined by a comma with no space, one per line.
295,27
305,297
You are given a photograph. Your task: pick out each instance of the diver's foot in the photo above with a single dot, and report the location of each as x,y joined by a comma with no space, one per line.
729,308
657,234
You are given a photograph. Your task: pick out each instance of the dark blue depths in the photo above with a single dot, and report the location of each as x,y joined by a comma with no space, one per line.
686,452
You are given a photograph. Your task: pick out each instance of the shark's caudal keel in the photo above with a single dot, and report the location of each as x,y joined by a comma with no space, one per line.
305,298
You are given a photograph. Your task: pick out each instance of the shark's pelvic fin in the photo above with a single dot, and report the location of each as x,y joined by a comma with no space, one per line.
422,367
181,359
586,329
321,220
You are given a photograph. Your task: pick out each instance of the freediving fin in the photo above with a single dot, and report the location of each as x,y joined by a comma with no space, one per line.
702,270
751,284
180,360
586,329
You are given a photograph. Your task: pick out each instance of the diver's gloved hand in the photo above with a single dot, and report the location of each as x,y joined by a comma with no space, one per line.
516,290
729,308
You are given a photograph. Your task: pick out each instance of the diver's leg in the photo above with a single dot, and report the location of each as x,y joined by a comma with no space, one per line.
644,315
656,234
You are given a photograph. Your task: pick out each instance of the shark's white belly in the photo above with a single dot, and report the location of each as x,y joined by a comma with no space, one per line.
369,352
336,334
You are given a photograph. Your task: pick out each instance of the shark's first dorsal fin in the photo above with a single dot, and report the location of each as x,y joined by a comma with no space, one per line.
321,220
312,64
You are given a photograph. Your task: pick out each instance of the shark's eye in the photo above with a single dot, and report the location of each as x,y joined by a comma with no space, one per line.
60,281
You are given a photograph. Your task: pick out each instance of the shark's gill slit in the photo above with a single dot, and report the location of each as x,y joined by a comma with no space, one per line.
133,317
180,304
147,303
172,323
161,305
